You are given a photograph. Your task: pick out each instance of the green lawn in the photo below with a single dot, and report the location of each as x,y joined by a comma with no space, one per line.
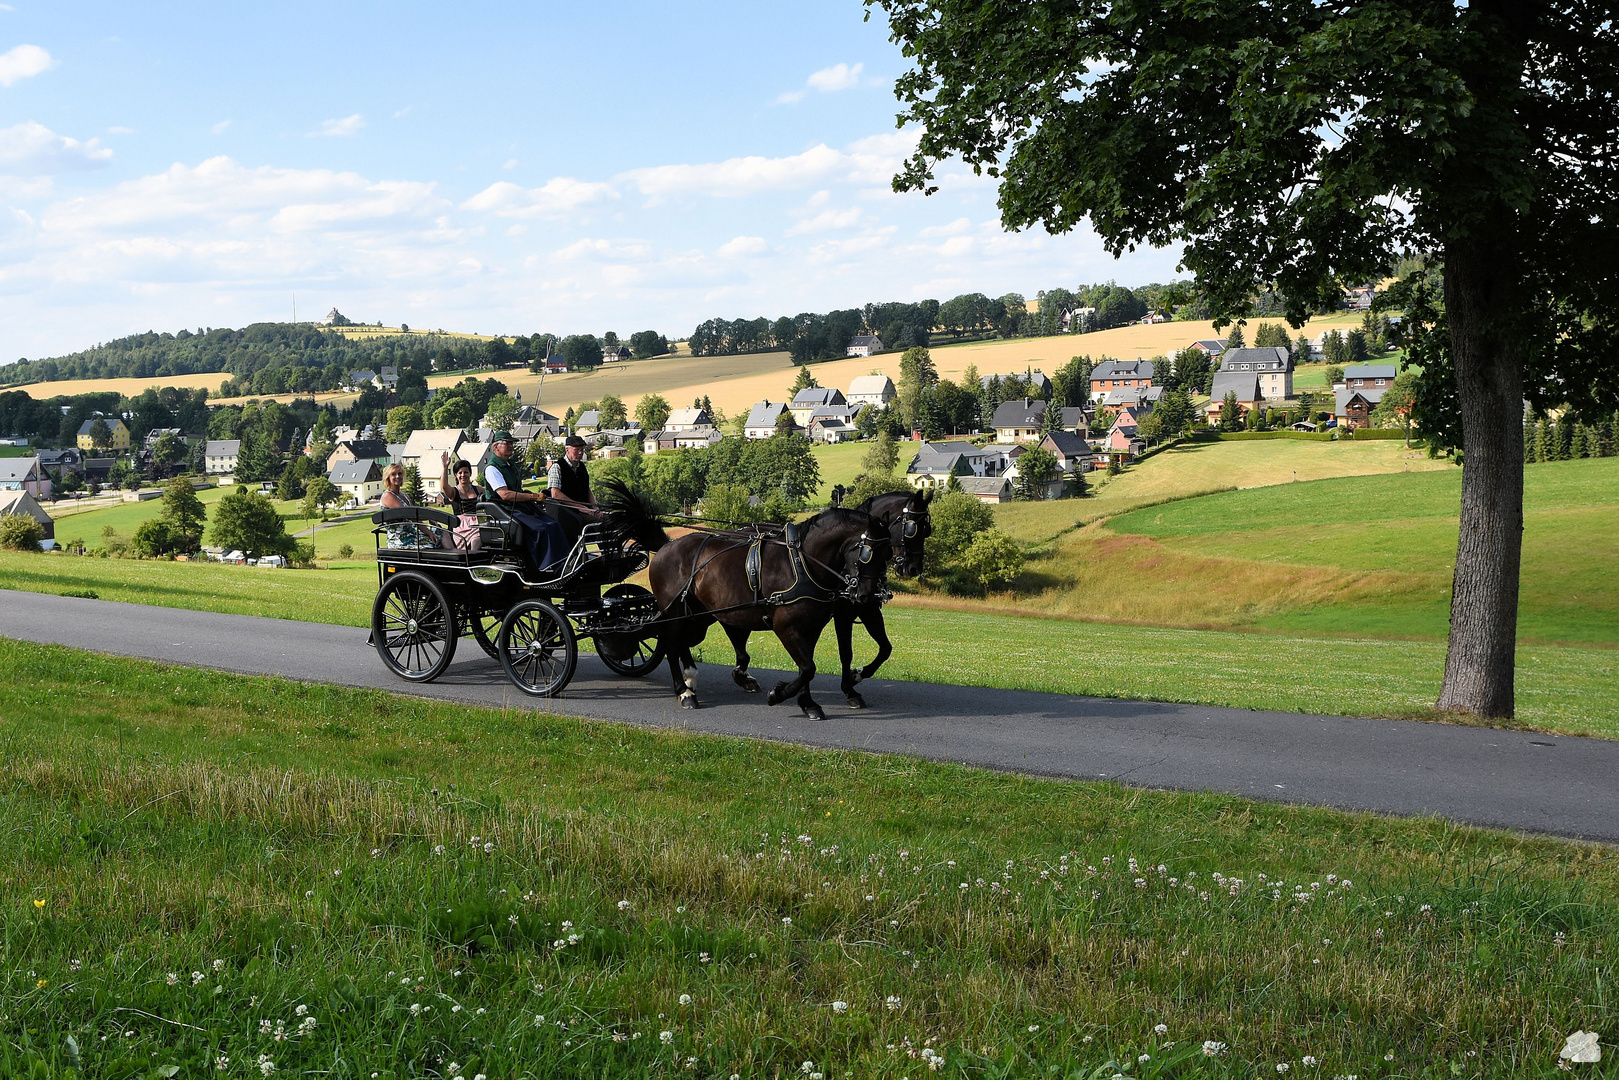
206,872
17,451
1404,527
125,517
840,464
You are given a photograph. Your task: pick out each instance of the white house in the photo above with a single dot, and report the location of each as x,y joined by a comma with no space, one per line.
219,456
873,390
762,418
813,398
1270,366
864,345
1019,420
687,419
359,480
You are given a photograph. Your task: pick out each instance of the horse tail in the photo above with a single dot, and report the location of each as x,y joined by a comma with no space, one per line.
631,515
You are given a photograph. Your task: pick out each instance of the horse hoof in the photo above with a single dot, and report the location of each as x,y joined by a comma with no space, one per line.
856,701
750,684
815,714
688,701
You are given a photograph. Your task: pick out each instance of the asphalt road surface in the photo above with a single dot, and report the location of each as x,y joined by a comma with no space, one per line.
1509,779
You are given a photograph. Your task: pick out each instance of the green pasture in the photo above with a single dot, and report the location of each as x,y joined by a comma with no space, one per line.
1405,526
214,875
124,517
840,464
17,451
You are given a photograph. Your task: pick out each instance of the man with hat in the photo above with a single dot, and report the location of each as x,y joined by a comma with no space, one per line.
503,484
569,480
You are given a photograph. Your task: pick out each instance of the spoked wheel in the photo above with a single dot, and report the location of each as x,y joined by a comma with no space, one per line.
485,627
413,627
628,654
537,648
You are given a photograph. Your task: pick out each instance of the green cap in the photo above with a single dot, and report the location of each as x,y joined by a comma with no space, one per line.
501,436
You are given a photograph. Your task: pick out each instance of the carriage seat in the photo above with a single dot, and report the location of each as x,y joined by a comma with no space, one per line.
499,531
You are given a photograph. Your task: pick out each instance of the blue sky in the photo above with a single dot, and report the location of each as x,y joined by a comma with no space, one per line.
493,167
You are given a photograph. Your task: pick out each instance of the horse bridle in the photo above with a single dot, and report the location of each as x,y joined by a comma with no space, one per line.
909,529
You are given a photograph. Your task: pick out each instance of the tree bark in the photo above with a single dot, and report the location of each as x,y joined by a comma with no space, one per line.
1479,667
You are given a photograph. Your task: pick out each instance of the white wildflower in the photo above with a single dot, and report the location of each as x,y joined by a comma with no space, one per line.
1581,1046
1309,1059
685,999
840,1006
219,965
623,905
1212,1048
891,1002
172,979
666,1037
1160,1029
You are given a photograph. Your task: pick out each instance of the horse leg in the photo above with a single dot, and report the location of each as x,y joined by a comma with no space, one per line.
739,674
843,616
801,647
873,618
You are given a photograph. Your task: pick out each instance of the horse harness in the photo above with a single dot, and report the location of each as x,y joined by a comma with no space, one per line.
804,586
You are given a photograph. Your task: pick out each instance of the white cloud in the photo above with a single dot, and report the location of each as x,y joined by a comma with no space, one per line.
955,228
740,176
827,80
560,196
219,128
120,130
836,77
827,220
403,112
743,245
349,125
23,62
31,149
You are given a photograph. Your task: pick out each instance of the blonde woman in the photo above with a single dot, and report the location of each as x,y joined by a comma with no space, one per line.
405,534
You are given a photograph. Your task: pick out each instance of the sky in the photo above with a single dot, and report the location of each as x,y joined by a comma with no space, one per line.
485,167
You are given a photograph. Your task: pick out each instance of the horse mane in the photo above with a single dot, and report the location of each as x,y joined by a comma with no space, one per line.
838,515
631,515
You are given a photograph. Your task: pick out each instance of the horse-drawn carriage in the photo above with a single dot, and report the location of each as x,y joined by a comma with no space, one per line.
429,597
791,580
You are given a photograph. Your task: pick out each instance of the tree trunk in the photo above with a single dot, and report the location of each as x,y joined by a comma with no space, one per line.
1489,382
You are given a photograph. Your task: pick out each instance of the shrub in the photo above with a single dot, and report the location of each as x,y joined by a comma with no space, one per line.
20,532
993,559
957,517
302,555
346,551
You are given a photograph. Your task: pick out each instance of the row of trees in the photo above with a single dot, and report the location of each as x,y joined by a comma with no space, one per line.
1569,437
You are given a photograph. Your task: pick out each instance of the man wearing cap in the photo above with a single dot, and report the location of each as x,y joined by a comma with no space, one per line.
569,480
503,484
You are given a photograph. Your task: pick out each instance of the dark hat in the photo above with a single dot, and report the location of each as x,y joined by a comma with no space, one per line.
575,440
501,436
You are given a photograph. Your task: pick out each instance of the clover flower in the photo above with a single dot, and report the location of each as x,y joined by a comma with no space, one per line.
892,1002
666,1037
840,1006
1212,1048
685,999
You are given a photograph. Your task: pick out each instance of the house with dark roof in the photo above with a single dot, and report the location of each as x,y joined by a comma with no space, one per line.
57,462
864,345
1245,384
1072,451
1370,376
1073,418
24,504
359,450
762,419
1118,374
1019,420
989,489
687,419
1272,367
588,422
807,401
1353,407
120,434
1212,346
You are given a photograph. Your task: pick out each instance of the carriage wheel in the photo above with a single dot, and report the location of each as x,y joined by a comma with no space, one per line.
537,648
485,626
413,627
629,656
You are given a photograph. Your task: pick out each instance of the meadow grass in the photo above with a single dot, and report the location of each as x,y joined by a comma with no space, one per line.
208,874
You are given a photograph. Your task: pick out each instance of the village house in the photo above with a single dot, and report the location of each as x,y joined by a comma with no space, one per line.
935,463
25,474
358,379
830,429
1245,384
1370,376
556,365
1140,398
700,437
762,419
120,434
588,422
873,390
1073,418
864,345
358,450
425,450
24,504
67,460
360,480
1019,420
1271,367
812,398
989,489
1211,346
1353,408
219,456
687,419
1122,439
613,354
1118,374
1073,452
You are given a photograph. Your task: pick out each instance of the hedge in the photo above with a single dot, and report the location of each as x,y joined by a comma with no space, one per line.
1239,436
1377,433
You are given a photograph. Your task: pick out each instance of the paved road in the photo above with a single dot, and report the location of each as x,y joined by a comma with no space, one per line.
1517,780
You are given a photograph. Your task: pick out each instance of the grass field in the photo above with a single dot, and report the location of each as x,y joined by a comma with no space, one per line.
1194,468
208,872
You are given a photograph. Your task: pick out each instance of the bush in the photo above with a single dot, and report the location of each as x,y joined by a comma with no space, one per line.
1239,436
20,532
957,517
156,536
346,551
1364,434
993,559
302,555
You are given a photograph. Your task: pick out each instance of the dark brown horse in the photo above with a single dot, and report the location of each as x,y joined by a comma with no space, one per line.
786,581
905,515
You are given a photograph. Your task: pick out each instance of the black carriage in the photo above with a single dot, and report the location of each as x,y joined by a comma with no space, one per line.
531,621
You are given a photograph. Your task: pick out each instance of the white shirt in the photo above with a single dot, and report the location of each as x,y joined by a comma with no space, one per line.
493,477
